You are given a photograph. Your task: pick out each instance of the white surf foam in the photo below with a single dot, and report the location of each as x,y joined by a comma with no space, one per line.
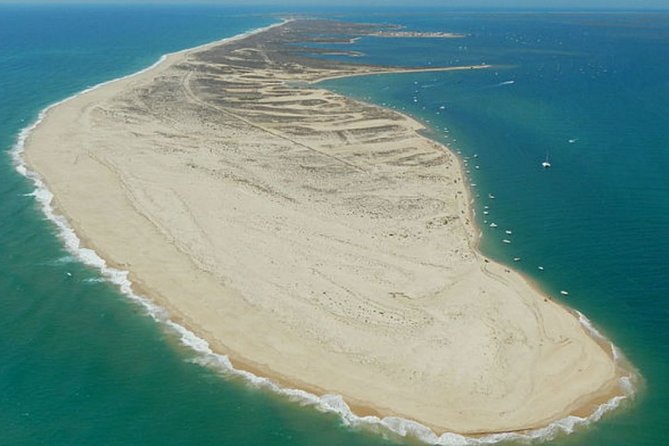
325,403
94,280
64,260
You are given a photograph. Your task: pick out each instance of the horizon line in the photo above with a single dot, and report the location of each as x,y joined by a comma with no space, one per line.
353,5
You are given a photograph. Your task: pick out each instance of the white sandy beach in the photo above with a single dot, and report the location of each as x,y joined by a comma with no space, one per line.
315,240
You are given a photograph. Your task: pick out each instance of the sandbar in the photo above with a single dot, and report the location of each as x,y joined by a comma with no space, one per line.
315,239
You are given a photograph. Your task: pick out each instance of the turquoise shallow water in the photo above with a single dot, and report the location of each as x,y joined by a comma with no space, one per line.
80,364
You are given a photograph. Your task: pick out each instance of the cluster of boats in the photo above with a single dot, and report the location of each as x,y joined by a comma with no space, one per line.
486,209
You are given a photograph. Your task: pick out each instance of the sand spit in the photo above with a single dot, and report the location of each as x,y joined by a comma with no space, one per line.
314,239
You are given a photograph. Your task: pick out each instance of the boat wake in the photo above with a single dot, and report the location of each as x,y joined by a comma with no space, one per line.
501,84
388,426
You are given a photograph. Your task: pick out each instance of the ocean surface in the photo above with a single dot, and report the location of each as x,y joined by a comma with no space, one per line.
81,364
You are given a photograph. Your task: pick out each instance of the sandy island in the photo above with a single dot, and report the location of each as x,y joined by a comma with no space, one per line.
314,239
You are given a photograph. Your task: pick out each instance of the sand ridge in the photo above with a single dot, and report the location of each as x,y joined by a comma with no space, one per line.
317,239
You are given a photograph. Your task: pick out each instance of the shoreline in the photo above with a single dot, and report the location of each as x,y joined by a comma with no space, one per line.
115,274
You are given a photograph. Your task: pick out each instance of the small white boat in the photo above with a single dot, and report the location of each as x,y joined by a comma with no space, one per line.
541,268
507,241
477,167
508,232
516,259
564,293
546,164
491,196
485,212
493,225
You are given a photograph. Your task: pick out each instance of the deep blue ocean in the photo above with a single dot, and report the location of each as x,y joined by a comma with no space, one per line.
80,364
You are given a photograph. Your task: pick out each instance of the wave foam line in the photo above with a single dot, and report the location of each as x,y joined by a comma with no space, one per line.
325,403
